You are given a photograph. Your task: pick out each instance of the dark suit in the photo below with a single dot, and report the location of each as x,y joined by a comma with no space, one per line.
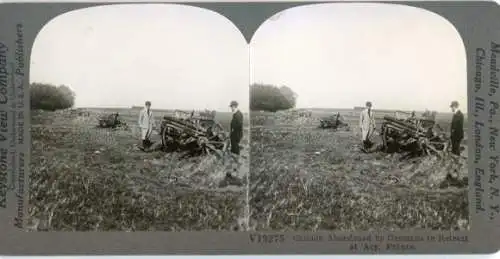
236,132
457,132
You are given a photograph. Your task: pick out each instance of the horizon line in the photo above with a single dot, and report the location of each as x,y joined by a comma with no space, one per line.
379,109
136,107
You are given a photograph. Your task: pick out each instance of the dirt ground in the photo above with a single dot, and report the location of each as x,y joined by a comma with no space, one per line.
89,179
304,178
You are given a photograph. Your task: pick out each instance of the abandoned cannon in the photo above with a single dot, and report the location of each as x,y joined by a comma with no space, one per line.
111,121
416,136
333,122
196,134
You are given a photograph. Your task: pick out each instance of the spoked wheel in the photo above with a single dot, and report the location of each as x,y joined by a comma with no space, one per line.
384,139
218,134
204,144
218,130
167,139
216,140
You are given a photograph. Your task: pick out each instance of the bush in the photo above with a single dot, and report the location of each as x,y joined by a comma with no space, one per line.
50,97
271,98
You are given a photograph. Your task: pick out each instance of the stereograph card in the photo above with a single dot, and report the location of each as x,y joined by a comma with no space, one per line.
249,128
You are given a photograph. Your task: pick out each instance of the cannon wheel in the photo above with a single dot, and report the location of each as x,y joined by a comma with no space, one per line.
218,130
166,139
384,137
207,147
211,147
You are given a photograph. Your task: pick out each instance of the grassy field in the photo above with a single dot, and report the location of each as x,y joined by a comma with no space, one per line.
304,178
89,179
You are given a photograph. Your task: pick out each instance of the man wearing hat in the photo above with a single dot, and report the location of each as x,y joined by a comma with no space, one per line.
367,125
236,134
236,131
457,128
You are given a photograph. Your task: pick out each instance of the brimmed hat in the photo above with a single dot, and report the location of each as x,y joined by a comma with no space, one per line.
233,104
454,104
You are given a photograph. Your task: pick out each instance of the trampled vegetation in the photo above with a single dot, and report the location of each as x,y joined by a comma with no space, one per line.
85,178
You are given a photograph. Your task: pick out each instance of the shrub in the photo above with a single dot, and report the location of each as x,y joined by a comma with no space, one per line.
271,98
50,97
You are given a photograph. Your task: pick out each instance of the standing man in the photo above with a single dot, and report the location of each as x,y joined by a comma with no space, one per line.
146,122
367,125
235,136
457,128
236,131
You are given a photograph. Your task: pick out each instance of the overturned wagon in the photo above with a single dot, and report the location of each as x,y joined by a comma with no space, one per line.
333,122
193,134
110,121
416,136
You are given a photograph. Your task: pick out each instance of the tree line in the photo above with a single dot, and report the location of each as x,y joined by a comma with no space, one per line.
271,98
51,97
263,97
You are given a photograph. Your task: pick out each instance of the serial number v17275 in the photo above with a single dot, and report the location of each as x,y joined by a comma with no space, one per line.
267,238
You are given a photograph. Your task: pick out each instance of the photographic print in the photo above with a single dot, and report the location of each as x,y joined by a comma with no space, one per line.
358,120
223,128
139,119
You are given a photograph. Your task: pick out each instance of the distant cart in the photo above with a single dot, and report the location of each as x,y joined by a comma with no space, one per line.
335,122
111,121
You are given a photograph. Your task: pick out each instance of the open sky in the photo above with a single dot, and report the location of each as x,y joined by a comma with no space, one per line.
119,56
332,55
342,55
